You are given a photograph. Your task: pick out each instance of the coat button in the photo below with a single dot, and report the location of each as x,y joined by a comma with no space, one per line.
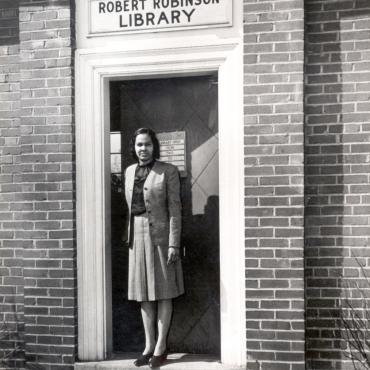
145,188
150,223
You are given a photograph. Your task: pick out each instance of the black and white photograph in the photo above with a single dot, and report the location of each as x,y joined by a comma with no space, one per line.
185,184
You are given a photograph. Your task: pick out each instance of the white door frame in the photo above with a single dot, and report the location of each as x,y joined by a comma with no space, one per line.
94,70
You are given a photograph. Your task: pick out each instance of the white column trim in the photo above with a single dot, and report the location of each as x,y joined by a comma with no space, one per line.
94,70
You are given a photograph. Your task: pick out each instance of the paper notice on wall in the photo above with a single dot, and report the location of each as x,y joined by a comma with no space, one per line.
172,149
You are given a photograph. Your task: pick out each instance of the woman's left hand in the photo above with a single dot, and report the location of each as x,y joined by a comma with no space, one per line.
173,255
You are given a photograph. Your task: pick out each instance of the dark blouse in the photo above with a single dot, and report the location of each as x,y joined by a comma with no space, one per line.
141,173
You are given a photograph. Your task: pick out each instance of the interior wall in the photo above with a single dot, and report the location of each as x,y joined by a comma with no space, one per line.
186,104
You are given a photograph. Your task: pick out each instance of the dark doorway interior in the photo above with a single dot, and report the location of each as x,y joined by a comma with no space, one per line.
174,104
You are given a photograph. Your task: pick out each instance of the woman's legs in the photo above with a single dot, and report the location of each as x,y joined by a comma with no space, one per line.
148,313
163,316
164,320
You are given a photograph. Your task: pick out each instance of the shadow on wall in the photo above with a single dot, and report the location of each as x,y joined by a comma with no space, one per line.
185,104
9,18
11,313
13,60
336,178
11,336
9,23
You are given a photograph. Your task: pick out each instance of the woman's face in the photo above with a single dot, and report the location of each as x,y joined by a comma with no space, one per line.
144,147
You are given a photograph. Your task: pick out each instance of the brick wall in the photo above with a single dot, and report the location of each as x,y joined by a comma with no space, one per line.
11,281
274,176
48,229
37,254
337,167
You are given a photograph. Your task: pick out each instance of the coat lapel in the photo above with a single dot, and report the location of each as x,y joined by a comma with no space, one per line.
130,173
150,175
131,179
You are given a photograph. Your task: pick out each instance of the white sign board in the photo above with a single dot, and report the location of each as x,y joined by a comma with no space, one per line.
107,16
172,149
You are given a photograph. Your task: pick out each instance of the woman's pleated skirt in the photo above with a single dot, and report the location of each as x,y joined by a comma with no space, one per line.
150,278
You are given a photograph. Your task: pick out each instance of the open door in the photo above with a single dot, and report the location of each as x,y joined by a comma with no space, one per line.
188,105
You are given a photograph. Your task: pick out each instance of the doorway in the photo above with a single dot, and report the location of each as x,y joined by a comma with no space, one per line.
167,105
95,71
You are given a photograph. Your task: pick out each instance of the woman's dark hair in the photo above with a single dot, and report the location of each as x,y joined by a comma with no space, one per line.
152,136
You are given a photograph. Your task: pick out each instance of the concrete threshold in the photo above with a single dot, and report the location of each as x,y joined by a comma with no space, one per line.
175,361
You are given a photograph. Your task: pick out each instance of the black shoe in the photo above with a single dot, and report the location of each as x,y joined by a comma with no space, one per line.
157,361
143,359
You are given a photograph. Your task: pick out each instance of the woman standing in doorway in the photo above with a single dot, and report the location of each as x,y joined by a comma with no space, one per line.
152,190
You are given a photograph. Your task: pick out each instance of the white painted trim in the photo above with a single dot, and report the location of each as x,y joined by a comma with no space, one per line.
93,242
94,71
232,255
156,39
